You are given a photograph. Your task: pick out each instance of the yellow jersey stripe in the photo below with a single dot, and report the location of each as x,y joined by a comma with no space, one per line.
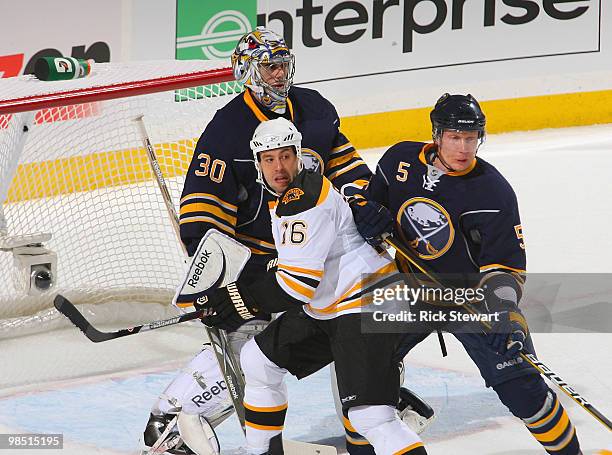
202,207
486,268
256,241
296,286
218,200
305,271
324,191
346,169
258,251
206,219
341,148
341,160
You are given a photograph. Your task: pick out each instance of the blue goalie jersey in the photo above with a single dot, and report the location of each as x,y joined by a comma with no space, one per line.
458,222
220,189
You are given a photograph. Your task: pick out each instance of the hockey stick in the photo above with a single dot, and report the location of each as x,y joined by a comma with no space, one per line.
67,308
226,359
544,369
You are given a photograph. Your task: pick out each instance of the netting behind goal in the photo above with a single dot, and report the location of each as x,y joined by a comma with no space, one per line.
80,173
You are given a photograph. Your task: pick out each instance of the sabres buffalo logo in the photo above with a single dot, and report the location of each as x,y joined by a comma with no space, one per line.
312,160
292,195
426,226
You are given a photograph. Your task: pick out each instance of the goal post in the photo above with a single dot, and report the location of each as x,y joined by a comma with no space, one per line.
74,172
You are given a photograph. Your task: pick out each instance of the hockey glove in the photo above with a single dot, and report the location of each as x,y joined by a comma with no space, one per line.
229,307
509,331
372,219
508,334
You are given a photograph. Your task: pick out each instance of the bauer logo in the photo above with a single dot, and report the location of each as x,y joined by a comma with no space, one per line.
209,30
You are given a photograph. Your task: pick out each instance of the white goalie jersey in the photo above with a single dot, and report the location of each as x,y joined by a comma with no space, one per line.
323,262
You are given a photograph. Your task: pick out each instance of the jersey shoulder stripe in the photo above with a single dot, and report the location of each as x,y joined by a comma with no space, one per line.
308,190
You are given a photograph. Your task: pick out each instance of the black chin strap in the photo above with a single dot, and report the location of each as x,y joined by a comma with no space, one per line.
432,157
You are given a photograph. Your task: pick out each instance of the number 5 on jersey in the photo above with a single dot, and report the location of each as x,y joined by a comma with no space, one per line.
296,232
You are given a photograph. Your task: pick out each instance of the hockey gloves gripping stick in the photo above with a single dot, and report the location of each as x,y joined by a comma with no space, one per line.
507,335
229,307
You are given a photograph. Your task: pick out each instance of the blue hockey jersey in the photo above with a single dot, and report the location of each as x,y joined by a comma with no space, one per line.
458,222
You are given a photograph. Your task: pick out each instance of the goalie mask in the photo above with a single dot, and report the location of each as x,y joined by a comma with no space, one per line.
271,135
262,61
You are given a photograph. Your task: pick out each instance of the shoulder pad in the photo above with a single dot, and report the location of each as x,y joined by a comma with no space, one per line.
307,191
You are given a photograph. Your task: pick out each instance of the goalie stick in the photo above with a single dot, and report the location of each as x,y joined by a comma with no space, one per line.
544,369
226,359
67,308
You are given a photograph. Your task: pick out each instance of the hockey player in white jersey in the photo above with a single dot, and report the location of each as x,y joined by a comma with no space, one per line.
326,275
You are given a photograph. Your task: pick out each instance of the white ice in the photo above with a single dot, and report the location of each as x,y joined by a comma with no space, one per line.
99,395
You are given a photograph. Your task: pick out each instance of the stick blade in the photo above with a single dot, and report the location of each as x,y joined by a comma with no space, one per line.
64,306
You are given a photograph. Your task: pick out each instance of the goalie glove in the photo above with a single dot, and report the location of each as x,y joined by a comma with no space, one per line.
229,307
509,331
373,220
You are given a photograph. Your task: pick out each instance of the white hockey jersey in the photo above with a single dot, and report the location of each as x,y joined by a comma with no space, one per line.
323,262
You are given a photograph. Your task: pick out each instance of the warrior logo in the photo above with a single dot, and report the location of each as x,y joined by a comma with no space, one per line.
312,161
426,226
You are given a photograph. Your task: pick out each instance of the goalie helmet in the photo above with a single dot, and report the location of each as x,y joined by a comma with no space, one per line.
458,113
274,134
257,54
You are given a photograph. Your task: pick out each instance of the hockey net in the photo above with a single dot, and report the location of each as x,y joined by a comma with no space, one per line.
73,166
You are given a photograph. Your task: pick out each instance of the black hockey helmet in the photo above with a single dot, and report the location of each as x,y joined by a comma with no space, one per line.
459,113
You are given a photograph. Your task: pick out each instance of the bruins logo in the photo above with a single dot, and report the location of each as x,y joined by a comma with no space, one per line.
292,195
426,226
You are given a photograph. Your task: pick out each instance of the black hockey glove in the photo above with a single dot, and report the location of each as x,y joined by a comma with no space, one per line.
508,334
229,307
509,329
372,220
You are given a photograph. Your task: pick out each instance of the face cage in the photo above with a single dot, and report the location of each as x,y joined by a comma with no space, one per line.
289,60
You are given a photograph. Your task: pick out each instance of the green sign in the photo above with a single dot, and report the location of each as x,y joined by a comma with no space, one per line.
210,29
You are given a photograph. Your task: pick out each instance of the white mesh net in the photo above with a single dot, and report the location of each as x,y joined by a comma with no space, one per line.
80,173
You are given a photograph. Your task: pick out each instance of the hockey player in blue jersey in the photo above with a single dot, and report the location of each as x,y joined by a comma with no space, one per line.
221,192
461,217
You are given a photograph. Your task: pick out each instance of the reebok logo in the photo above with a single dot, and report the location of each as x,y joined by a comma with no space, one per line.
199,268
201,399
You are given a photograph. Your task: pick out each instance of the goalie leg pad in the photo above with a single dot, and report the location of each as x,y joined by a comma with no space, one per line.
198,434
199,389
